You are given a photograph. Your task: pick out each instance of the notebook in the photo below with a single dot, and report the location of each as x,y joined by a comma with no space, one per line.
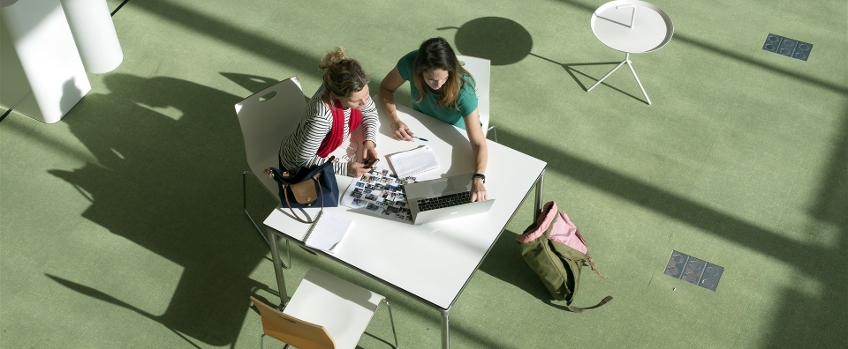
414,162
443,198
328,232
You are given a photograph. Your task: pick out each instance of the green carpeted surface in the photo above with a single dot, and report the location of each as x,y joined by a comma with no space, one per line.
121,225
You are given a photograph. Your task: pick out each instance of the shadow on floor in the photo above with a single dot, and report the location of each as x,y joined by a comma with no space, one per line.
170,158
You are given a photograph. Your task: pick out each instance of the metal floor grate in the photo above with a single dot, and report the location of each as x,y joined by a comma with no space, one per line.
693,270
788,47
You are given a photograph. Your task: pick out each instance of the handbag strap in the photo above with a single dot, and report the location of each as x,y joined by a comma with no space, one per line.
580,310
277,176
302,220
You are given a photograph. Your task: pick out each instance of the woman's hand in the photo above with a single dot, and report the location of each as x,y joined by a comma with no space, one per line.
478,190
400,131
369,151
356,169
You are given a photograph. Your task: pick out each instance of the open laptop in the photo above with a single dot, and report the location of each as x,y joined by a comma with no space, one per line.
443,198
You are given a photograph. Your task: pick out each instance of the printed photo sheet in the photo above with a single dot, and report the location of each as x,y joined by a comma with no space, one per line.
379,192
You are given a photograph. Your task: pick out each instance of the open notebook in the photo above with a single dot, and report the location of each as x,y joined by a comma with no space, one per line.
328,232
414,162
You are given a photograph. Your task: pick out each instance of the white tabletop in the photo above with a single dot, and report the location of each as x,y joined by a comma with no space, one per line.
433,261
651,27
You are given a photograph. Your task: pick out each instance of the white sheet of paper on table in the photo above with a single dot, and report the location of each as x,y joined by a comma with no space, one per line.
414,162
328,232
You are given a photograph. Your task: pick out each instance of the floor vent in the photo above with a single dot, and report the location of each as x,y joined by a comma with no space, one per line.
788,47
693,270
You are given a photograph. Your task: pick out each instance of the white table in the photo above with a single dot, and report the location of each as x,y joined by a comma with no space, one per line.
402,255
631,26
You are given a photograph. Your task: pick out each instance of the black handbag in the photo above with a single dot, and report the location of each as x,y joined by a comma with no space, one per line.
307,187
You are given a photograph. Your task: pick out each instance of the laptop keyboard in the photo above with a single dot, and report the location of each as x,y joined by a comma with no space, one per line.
444,201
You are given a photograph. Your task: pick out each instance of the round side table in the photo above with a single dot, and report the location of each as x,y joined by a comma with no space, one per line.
631,26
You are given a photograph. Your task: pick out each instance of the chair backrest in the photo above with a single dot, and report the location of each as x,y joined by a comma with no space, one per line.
480,69
291,330
266,117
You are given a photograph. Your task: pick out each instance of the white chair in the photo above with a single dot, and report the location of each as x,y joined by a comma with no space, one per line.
266,117
480,69
325,312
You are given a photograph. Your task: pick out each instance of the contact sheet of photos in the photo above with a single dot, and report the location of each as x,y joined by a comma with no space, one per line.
379,192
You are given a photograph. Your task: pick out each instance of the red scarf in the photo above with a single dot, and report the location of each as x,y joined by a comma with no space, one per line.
336,135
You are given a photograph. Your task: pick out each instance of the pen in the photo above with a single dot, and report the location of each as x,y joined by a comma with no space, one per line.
423,139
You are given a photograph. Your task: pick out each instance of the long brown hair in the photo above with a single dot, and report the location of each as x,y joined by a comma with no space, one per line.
343,75
436,53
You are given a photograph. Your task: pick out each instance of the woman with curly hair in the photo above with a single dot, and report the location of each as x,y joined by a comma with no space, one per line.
339,107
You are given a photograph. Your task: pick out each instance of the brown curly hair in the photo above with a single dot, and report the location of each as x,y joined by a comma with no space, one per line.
343,76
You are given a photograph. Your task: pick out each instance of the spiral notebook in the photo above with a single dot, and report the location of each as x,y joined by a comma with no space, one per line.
414,162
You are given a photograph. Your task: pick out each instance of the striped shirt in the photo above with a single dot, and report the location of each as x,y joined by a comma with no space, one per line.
301,147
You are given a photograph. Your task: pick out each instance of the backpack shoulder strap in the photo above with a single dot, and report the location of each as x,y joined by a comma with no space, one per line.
580,310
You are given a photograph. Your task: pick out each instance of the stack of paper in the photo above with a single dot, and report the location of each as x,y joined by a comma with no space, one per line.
414,162
328,232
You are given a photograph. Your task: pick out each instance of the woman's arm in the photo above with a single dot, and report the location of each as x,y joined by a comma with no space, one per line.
300,148
481,153
370,125
390,83
309,138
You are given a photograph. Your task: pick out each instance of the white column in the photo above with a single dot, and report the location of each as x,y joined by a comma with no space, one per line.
94,33
42,74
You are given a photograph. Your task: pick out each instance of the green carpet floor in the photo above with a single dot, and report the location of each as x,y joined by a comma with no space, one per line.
121,225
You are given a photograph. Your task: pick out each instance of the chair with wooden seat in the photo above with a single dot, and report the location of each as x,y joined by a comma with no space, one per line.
325,312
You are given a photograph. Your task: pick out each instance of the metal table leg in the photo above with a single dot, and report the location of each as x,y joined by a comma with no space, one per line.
278,269
445,328
539,198
629,65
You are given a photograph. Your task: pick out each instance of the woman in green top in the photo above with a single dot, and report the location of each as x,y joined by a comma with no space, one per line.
441,88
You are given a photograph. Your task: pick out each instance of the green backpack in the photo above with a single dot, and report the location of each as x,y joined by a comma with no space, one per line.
555,250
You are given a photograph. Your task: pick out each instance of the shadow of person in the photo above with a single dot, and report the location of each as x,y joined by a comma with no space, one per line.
170,157
500,40
71,95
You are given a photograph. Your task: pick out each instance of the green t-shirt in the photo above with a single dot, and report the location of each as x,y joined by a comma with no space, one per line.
466,103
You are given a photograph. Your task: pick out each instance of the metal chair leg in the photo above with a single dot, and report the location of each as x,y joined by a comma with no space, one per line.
262,342
286,265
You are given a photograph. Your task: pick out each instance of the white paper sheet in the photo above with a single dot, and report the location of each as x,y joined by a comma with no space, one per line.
414,162
328,232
